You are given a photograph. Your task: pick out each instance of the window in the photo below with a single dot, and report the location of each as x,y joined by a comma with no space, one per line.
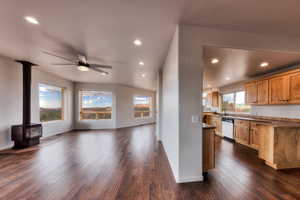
51,103
240,102
235,102
142,106
95,105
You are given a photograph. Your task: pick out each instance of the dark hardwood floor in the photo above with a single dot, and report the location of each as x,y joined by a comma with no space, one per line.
128,164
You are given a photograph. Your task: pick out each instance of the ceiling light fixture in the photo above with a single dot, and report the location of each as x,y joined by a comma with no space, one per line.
83,68
214,60
264,64
144,75
31,20
227,78
104,73
141,63
137,42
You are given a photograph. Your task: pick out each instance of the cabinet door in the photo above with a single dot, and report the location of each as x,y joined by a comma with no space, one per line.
251,93
254,136
215,99
279,90
263,92
242,131
294,88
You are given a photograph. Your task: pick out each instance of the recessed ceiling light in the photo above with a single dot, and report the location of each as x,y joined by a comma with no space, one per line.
143,75
104,73
141,63
214,60
31,20
227,78
137,42
264,64
83,68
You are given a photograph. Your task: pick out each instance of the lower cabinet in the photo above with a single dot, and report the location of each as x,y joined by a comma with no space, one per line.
215,120
241,131
254,136
246,133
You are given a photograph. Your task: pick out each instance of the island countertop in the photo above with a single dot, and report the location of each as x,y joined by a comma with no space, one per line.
207,126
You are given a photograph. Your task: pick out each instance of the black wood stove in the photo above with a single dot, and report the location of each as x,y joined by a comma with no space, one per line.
26,134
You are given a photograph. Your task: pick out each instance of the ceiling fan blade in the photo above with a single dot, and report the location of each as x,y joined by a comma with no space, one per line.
99,70
100,66
52,54
64,64
82,58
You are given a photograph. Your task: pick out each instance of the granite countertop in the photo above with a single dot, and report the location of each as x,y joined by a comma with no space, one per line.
273,123
207,126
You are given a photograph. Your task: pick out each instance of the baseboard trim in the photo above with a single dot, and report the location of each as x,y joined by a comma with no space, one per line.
190,179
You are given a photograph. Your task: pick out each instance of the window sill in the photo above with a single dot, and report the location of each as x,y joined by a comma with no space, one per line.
53,122
97,120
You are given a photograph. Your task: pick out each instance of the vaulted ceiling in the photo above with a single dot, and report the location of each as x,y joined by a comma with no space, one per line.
105,31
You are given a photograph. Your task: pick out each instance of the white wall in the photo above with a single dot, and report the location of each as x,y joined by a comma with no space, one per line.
55,127
125,115
170,109
190,104
122,106
11,100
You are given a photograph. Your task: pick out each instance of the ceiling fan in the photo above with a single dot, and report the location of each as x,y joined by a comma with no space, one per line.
81,63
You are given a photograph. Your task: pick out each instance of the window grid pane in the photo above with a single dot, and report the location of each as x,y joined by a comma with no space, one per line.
95,105
142,106
51,103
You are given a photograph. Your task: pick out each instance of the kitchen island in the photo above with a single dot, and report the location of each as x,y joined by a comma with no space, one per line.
208,147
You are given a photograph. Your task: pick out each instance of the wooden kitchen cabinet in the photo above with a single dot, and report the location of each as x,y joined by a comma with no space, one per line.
294,83
215,99
214,120
263,92
251,93
242,132
279,90
254,136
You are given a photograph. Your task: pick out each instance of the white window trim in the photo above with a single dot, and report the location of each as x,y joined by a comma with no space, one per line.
62,101
94,120
151,108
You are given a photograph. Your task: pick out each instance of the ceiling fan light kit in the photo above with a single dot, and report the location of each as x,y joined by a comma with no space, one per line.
82,64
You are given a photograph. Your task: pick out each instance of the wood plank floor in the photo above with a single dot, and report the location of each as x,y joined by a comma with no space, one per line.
128,164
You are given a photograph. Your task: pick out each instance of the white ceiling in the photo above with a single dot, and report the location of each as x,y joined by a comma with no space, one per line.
241,65
105,29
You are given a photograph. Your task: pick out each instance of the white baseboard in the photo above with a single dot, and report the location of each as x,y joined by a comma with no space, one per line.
9,146
189,179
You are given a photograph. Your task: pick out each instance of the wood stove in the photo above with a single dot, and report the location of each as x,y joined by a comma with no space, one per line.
26,134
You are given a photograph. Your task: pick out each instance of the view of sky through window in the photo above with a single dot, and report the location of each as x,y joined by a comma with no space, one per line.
50,96
96,99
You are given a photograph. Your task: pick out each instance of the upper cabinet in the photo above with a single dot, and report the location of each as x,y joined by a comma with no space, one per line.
263,92
278,89
294,83
213,99
251,93
257,92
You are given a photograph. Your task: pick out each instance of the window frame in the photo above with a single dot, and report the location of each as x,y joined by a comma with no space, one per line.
62,103
80,105
234,97
150,106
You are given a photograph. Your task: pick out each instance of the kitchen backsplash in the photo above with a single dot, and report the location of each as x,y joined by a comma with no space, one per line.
284,111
